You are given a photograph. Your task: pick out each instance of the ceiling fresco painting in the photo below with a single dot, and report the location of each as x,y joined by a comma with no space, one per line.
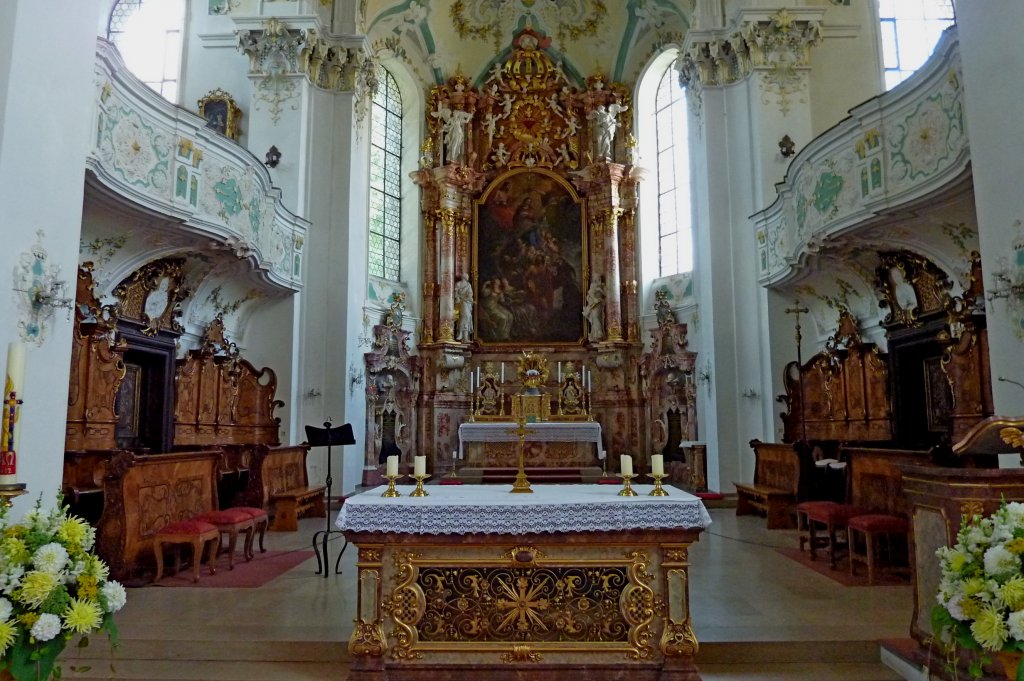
439,38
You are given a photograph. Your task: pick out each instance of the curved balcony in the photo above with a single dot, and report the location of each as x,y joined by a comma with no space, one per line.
894,151
162,159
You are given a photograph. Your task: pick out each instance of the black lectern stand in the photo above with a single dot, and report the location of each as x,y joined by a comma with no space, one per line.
327,437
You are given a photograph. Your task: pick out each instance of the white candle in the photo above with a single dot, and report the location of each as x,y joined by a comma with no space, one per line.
502,372
626,464
419,465
602,455
455,454
559,372
392,466
471,381
657,464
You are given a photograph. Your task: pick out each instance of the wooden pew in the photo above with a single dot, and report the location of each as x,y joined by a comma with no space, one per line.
287,493
144,494
777,483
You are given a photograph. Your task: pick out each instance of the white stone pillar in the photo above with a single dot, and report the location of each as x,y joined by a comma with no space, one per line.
46,96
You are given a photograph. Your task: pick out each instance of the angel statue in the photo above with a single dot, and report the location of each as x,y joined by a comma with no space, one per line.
605,123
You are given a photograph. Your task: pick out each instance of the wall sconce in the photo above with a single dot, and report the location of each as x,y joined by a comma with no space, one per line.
787,147
273,156
48,295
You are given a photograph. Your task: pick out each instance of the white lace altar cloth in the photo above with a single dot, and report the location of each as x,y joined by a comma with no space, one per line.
492,509
542,431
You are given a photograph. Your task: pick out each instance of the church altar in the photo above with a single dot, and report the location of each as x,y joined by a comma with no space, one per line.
472,582
501,447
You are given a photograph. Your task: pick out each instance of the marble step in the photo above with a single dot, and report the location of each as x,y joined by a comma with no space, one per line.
210,650
204,670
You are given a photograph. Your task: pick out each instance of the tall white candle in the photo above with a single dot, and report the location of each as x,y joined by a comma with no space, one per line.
626,464
478,377
502,372
15,382
393,466
602,455
471,384
657,464
559,372
419,465
455,454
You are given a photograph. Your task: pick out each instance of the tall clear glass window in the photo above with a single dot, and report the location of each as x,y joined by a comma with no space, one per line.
910,29
148,34
385,179
675,241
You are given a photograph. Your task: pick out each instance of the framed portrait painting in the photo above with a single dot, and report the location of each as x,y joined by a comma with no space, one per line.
529,244
221,113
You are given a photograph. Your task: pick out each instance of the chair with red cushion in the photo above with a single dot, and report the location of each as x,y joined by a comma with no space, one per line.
884,536
830,516
260,522
194,532
231,522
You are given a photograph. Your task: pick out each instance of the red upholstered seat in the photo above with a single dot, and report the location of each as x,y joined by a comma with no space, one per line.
884,536
191,526
194,532
875,522
833,517
231,522
260,521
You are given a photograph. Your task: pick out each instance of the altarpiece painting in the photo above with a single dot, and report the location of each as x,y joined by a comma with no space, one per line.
530,248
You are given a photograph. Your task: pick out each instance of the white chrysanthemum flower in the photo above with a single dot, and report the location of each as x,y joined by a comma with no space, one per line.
5,609
1015,513
46,627
50,558
955,607
1001,563
1016,624
11,579
113,595
976,538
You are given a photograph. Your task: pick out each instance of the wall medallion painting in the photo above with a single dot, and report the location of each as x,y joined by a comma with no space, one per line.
530,247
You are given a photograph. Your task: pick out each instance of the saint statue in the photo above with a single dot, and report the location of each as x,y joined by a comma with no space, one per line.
464,302
593,310
605,123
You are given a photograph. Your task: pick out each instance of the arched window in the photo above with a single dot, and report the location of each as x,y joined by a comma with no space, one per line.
910,29
672,177
385,179
148,34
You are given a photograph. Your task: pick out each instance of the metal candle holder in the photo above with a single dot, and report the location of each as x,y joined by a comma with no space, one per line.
627,489
658,490
391,492
419,491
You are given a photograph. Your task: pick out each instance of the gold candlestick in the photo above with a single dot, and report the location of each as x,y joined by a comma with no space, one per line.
627,489
521,485
8,492
658,490
391,492
419,491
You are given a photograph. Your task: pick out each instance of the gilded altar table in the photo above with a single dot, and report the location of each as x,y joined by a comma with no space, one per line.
474,583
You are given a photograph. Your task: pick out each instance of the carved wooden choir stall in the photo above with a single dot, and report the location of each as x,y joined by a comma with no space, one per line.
153,440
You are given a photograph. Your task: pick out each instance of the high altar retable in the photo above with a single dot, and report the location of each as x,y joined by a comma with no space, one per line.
471,582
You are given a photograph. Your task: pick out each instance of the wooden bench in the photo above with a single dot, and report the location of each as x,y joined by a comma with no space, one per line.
143,495
286,489
777,468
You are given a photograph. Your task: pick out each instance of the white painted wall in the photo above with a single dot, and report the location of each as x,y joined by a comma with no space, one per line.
42,156
993,70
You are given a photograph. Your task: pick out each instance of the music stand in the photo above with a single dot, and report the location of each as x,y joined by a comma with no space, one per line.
328,437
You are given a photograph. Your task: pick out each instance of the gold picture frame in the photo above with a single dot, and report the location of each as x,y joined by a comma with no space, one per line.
221,113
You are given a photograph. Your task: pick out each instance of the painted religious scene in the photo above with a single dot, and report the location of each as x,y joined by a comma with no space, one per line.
530,254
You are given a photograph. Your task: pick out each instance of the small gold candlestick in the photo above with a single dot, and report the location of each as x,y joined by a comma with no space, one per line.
627,489
419,491
391,491
8,492
453,474
658,490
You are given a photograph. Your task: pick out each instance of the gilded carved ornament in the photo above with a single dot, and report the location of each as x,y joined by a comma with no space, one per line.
153,294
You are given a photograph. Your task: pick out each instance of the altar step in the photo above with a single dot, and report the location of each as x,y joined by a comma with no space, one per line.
276,660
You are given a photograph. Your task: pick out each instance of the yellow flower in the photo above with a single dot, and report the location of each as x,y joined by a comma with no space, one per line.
8,632
1013,593
971,607
87,587
974,585
1015,546
989,629
957,561
36,588
28,618
82,616
15,549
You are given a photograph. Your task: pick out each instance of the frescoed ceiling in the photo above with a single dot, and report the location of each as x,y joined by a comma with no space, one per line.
438,38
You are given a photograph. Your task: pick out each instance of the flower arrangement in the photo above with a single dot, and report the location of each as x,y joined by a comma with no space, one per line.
52,588
981,593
